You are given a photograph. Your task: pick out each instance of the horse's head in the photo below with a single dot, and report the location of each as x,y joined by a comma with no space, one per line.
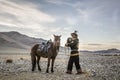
57,41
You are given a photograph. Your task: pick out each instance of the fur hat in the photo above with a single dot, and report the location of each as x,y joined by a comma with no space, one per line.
74,33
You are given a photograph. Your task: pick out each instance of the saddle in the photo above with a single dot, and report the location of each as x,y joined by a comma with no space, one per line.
43,47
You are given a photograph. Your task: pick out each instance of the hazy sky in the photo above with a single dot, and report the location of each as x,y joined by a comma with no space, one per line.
97,21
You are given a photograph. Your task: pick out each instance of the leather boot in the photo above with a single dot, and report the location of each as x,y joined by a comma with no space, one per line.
69,72
79,71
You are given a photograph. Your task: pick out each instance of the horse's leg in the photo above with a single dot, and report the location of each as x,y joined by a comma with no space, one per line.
38,59
33,59
48,64
53,60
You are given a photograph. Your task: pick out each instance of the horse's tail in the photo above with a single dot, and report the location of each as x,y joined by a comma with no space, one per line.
33,55
34,48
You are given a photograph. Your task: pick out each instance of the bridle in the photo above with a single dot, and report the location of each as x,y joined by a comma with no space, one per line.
57,43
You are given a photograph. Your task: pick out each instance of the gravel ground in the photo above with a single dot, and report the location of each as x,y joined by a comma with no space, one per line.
96,67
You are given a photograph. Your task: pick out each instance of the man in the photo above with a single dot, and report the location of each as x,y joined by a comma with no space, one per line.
74,55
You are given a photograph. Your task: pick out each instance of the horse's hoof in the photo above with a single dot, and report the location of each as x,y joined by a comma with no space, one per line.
32,70
47,71
39,70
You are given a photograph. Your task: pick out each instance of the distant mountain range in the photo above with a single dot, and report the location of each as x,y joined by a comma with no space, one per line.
10,41
15,40
113,50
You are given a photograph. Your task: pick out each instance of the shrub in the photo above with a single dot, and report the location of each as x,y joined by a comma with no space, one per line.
21,58
9,61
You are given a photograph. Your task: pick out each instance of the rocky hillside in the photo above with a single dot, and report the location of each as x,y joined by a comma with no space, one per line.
17,40
113,50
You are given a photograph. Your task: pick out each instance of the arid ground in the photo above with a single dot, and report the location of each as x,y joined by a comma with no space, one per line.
96,67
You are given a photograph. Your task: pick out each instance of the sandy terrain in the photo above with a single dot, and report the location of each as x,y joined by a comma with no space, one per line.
97,68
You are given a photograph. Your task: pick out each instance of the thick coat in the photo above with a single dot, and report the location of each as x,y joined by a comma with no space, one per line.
73,45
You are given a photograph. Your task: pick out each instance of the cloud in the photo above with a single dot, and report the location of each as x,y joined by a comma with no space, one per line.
95,44
98,46
92,12
71,20
95,20
23,15
83,12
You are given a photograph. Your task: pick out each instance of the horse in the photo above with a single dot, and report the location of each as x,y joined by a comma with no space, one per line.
50,55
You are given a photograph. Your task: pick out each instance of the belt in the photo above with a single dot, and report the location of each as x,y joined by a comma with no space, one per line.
76,54
74,50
